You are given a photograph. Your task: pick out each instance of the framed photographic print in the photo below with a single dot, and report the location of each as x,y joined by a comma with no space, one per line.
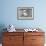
25,13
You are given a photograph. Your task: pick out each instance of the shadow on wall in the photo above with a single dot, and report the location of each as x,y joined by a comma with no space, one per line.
2,26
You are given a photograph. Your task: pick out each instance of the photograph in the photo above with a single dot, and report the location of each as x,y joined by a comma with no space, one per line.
25,13
22,22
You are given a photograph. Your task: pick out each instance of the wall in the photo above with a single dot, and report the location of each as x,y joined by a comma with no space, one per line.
9,13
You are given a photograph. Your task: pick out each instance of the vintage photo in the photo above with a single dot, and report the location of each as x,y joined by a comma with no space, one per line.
25,13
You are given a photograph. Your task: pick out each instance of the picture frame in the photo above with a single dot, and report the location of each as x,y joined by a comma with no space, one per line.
25,13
